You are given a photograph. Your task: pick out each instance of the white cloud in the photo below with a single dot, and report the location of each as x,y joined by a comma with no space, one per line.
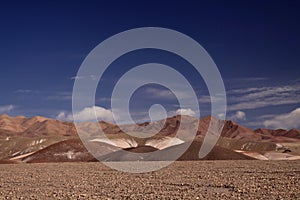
252,98
160,93
87,114
238,116
6,108
211,99
184,111
284,121
60,96
64,116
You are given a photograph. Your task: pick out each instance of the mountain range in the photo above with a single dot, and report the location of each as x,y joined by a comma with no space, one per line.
40,139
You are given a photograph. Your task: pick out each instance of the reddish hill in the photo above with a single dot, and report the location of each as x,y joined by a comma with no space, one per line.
279,133
236,131
293,133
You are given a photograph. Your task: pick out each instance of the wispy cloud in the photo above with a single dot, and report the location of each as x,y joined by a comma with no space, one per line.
58,96
104,99
77,77
211,99
6,108
23,91
258,97
93,77
248,79
47,94
157,93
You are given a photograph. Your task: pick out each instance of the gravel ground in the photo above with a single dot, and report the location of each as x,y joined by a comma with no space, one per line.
181,180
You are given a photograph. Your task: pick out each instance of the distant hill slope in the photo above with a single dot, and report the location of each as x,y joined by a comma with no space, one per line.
268,133
35,126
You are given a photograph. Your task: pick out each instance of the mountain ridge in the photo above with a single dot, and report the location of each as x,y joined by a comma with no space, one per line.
34,126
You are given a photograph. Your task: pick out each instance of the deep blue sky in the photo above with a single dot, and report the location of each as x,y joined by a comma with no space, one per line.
255,44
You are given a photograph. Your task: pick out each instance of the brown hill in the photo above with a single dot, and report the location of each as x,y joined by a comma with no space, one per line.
35,126
191,153
27,122
65,151
50,127
11,124
217,153
72,150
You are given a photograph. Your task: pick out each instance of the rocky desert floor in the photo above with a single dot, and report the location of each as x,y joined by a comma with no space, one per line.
241,179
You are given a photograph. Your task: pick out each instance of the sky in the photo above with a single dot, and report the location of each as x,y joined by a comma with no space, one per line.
255,45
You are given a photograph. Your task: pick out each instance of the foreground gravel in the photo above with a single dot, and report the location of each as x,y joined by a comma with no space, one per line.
181,180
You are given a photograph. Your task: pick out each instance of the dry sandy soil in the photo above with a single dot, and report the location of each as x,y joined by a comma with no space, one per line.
241,179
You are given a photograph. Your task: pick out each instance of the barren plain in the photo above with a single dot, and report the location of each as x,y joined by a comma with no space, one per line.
241,179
